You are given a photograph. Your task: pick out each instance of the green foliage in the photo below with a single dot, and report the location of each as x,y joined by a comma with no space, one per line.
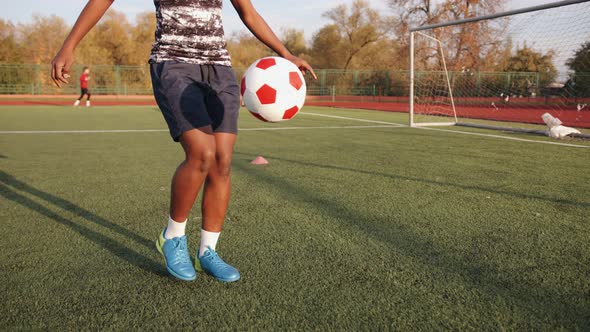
527,60
579,64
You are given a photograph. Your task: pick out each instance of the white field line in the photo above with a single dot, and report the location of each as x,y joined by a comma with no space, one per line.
454,131
384,124
355,119
505,137
323,127
98,131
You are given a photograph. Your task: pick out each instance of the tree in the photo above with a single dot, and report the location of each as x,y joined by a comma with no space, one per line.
89,52
42,38
351,31
466,45
142,37
116,41
579,64
245,49
500,60
10,49
327,50
527,60
294,41
113,35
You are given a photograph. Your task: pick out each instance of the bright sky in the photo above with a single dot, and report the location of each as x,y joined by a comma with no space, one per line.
303,15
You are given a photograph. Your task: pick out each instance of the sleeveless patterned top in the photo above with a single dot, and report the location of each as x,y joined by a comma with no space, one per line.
189,31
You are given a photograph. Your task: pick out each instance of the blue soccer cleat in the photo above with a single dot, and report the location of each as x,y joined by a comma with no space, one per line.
213,265
175,252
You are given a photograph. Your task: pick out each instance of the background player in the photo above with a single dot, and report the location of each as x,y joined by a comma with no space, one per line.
84,78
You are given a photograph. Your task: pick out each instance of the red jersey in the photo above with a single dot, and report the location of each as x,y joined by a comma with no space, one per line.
84,81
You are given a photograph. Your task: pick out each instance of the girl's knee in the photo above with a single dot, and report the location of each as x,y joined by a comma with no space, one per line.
223,166
203,159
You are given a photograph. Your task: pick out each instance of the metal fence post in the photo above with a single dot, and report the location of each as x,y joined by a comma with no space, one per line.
387,87
322,81
38,79
118,79
355,78
478,83
537,87
333,93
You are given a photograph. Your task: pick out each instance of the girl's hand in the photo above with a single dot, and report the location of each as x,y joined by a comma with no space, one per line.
60,66
302,65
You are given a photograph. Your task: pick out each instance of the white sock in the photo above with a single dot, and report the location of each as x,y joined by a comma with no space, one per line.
174,229
76,103
208,239
87,103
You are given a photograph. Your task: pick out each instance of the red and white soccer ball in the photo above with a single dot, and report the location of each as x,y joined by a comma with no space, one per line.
273,89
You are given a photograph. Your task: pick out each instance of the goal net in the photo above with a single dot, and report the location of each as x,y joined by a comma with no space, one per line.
505,70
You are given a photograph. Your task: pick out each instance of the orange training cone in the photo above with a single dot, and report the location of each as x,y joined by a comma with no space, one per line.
259,161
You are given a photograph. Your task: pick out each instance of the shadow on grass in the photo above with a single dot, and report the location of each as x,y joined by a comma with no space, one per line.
541,303
427,181
75,209
7,181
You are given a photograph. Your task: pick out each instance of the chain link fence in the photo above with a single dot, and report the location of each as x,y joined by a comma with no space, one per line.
35,79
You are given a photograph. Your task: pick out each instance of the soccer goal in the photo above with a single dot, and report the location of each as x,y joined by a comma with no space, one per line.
503,71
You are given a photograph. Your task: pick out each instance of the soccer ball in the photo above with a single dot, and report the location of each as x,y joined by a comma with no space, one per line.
273,89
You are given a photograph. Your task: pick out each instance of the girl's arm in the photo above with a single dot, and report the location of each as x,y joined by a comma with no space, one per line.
63,60
263,32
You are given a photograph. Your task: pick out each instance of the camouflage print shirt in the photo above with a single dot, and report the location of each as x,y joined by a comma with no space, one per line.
189,31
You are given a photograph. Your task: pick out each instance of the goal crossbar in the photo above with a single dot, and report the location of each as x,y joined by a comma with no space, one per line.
498,15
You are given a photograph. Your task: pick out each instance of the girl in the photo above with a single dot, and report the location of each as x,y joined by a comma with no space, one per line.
198,95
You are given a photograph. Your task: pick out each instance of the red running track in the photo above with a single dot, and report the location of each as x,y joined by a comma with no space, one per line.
504,112
519,111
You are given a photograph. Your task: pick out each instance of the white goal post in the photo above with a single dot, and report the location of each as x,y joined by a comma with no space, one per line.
439,49
504,70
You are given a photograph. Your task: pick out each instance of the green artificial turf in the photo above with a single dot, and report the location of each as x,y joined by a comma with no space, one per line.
346,228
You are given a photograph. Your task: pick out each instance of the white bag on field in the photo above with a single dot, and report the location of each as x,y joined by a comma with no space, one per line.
556,130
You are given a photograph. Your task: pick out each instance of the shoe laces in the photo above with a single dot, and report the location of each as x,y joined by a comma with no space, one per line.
212,257
180,251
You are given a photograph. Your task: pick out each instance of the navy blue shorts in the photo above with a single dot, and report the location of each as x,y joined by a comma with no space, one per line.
193,96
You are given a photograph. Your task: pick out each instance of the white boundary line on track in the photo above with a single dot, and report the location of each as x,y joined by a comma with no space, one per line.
453,131
98,131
